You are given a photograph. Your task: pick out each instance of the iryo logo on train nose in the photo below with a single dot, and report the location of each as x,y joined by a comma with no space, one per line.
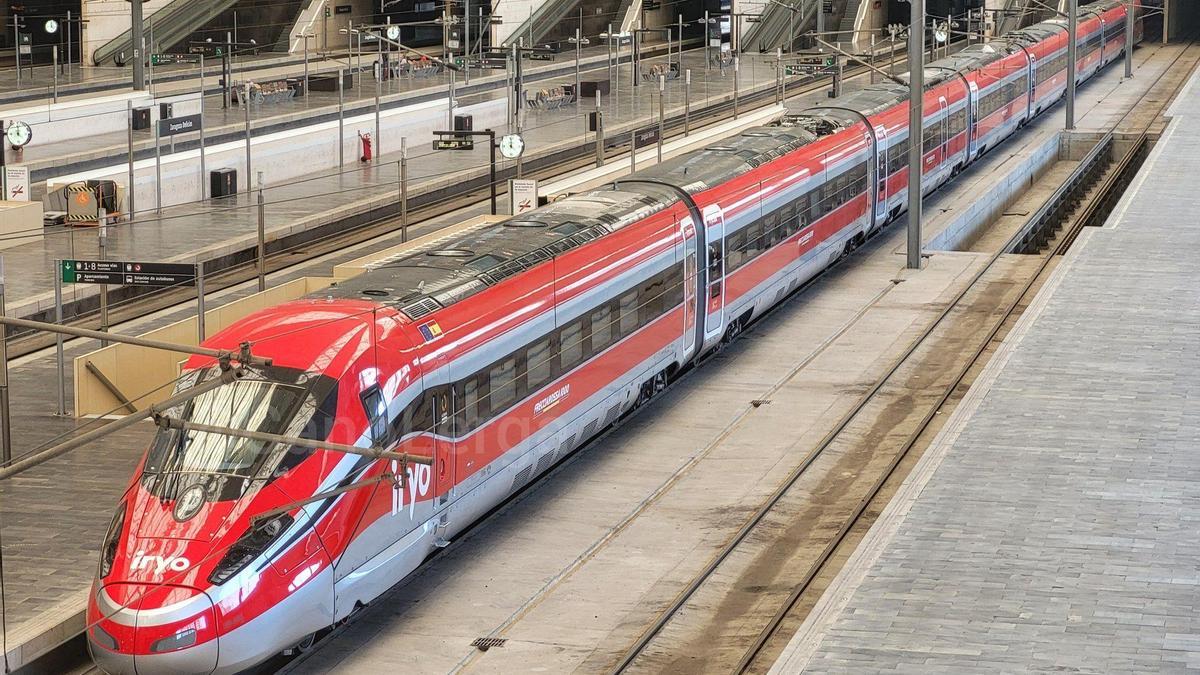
159,563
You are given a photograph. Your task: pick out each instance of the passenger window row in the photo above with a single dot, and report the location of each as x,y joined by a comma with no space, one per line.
513,377
1049,68
758,237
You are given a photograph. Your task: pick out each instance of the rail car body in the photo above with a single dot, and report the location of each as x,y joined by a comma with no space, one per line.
500,353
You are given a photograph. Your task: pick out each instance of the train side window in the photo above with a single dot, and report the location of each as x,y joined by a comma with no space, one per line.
468,401
601,328
503,379
376,410
629,313
571,345
540,358
652,300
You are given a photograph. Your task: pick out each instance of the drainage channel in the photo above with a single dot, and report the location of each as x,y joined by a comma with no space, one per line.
1087,196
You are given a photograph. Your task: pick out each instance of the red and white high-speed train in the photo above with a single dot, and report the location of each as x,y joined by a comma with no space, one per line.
500,353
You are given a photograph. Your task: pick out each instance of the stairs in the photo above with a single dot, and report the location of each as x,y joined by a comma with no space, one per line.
847,25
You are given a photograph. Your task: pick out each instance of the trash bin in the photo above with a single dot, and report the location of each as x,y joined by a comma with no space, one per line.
141,118
463,122
166,111
222,182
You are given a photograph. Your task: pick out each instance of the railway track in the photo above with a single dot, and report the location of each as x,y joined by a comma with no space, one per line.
740,610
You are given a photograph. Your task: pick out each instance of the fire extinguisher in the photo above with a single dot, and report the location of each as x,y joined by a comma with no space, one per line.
366,146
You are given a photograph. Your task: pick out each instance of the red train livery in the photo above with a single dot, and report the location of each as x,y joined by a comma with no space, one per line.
501,352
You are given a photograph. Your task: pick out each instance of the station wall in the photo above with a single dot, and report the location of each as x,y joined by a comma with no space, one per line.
287,155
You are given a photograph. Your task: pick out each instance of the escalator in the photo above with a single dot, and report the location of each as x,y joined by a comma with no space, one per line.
171,27
771,31
556,20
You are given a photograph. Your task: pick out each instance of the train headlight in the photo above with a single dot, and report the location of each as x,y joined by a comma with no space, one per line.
108,551
180,640
252,543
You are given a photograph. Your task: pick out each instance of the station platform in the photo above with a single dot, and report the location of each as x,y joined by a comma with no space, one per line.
315,204
1050,525
572,572
50,159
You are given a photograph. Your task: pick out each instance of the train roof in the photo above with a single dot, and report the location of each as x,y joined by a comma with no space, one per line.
430,278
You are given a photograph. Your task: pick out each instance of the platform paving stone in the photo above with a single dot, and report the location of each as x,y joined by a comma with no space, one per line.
1051,526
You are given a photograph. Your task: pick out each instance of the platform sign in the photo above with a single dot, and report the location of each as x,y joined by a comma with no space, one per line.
127,273
645,137
16,183
453,143
522,195
173,126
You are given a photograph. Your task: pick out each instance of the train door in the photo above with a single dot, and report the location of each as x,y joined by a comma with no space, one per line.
441,405
1029,88
714,258
972,118
944,131
881,175
687,231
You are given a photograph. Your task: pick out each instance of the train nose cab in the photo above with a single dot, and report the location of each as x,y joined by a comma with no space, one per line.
209,565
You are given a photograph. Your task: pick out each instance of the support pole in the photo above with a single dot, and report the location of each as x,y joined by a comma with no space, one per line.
1072,32
262,237
662,90
578,56
632,150
1130,17
599,132
687,101
201,333
403,189
246,103
139,75
341,122
736,93
129,139
378,140
5,417
54,53
707,58
157,172
492,168
203,165
102,246
60,362
916,116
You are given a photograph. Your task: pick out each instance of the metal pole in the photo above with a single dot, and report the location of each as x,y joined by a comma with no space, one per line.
1072,31
403,189
662,87
262,237
102,234
157,172
821,19
60,362
341,142
129,138
201,333
707,59
150,51
1166,22
687,101
203,167
450,102
599,132
492,169
378,140
5,417
736,68
1129,19
872,58
916,116
578,56
17,51
632,150
68,28
246,104
54,52
139,76
227,73
306,66
778,75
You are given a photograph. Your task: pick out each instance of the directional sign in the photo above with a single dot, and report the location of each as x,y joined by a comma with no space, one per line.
173,126
454,144
127,273
167,59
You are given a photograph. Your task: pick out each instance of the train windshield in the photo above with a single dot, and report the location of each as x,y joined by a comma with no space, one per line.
227,466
